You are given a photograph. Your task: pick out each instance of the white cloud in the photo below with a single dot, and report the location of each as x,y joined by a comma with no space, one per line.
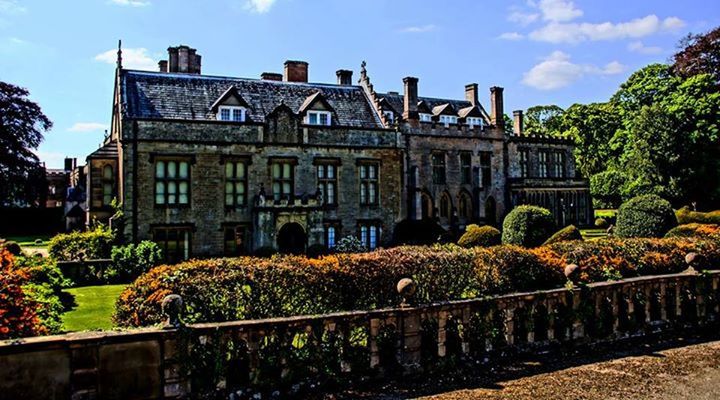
557,71
522,18
11,7
559,10
131,58
511,36
131,3
556,32
259,6
419,29
87,127
639,47
51,159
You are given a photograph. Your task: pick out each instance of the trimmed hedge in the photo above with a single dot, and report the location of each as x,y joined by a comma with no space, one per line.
645,216
483,236
247,287
88,245
686,216
691,230
132,260
527,226
601,223
570,232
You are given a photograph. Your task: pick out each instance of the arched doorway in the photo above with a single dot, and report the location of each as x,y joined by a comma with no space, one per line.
490,211
426,206
291,239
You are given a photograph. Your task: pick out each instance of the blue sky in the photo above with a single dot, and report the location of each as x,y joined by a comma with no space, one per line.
542,51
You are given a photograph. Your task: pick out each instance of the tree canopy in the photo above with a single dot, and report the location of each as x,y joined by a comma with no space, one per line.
22,124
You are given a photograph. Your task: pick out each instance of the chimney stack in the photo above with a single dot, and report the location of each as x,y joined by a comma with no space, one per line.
410,98
296,71
497,115
518,122
70,163
344,77
163,66
271,76
182,59
471,93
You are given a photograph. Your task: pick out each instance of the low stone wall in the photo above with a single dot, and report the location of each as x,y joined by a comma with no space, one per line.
285,353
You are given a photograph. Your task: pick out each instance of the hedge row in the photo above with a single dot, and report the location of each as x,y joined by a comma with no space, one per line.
88,245
246,288
687,216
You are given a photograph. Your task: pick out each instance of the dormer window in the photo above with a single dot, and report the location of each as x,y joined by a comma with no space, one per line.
425,117
231,113
390,116
448,119
474,121
318,118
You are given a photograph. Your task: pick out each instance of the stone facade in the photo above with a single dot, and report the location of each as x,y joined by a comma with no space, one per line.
210,165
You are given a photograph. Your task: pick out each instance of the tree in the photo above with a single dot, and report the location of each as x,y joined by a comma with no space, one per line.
22,124
700,54
543,120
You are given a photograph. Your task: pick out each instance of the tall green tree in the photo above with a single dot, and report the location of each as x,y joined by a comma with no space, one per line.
22,123
543,120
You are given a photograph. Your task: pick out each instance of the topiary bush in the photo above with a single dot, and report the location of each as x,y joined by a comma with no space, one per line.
132,260
12,247
692,230
686,216
527,226
483,236
601,223
349,244
568,233
645,216
88,245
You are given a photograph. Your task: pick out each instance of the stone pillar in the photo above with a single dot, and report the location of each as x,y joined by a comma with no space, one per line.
497,114
518,123
442,333
410,349
410,99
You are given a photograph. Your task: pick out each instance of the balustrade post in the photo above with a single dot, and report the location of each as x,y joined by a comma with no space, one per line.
374,349
509,323
663,301
678,299
410,335
647,292
615,299
442,333
550,304
466,315
578,329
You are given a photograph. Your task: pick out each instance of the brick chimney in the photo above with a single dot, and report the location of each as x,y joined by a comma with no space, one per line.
183,59
271,76
518,122
296,71
497,115
344,77
410,98
163,66
471,93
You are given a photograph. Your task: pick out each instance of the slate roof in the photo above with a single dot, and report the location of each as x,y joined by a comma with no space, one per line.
161,95
108,150
396,101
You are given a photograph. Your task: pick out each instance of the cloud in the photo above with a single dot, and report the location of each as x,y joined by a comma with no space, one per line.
555,32
557,71
88,127
419,29
639,47
259,6
11,7
559,10
131,3
522,18
511,36
131,58
51,159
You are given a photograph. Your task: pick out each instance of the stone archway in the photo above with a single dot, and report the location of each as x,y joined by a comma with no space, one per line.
291,239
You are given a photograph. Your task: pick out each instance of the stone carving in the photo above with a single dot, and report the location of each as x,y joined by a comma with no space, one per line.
172,306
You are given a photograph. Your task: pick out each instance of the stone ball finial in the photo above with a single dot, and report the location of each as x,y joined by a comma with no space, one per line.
406,288
571,270
694,261
172,306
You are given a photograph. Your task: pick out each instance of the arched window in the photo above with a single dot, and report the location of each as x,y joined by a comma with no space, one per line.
107,184
445,206
465,208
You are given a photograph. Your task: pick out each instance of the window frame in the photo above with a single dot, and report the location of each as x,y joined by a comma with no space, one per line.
231,113
486,168
544,164
187,250
282,179
318,113
466,169
439,170
366,231
389,115
448,120
234,180
445,206
166,181
368,184
470,121
524,162
558,164
107,182
323,181
235,228
425,117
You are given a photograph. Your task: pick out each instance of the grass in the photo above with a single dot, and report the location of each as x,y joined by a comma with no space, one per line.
608,213
589,234
29,241
94,307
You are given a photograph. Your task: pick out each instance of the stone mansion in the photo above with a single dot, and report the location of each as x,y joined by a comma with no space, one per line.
208,165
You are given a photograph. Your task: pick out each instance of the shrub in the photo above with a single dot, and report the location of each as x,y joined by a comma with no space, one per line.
349,244
606,187
132,260
317,250
483,236
601,223
44,285
686,216
265,251
12,247
88,245
693,229
527,226
18,312
570,232
645,216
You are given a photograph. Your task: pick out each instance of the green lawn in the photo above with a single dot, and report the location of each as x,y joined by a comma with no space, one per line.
29,241
94,307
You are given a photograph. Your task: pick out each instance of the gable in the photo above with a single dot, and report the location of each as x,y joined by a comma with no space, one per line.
230,97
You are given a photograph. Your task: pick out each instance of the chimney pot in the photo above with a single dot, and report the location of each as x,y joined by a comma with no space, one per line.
471,93
518,122
271,76
410,99
344,77
163,66
497,115
295,71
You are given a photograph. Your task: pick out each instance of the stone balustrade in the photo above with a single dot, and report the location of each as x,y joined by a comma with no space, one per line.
287,353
